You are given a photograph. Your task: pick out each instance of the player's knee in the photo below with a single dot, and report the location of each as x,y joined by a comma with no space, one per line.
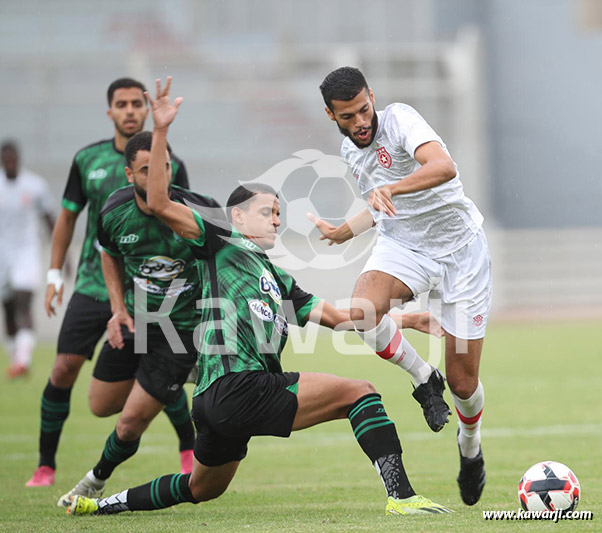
356,315
100,408
65,370
24,319
366,319
361,388
202,493
131,427
462,387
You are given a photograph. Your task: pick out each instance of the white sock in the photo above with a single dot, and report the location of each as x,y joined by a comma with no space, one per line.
388,342
9,346
97,483
469,421
25,341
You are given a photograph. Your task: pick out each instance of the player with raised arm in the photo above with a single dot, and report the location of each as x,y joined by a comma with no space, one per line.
97,171
430,241
160,265
24,199
242,391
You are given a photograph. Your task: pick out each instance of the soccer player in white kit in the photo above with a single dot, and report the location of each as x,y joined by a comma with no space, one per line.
24,199
430,241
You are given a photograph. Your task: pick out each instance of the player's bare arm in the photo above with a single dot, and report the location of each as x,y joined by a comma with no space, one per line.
424,322
437,168
113,272
61,239
329,316
177,216
353,227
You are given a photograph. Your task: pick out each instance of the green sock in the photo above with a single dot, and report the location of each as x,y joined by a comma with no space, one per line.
179,416
116,452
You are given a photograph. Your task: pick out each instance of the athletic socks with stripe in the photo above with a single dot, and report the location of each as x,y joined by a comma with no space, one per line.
116,451
179,416
376,434
469,421
54,412
388,342
160,493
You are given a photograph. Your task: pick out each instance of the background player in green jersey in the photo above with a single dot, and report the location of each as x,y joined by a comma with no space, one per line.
242,391
97,171
151,274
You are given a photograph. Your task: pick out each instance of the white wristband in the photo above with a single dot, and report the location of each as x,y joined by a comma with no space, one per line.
54,277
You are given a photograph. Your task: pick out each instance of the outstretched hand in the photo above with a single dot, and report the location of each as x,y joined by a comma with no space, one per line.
333,234
164,112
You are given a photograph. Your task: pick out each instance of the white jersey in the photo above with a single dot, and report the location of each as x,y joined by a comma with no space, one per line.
22,201
434,222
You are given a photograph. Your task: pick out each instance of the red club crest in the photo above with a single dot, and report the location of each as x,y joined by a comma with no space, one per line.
384,158
478,320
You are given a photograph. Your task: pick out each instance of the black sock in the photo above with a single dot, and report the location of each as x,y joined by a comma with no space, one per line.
179,416
393,475
375,432
160,493
116,452
54,412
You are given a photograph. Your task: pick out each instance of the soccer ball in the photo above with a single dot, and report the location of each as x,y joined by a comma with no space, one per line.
321,184
549,486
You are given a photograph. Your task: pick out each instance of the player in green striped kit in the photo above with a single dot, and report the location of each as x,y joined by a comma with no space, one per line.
151,274
97,171
242,391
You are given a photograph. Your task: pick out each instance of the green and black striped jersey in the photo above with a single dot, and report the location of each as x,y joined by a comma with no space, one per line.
156,259
247,304
97,171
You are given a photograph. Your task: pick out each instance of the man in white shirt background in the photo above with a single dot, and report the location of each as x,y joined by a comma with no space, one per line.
25,198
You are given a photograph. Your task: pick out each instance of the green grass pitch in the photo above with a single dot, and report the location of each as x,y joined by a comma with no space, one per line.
543,387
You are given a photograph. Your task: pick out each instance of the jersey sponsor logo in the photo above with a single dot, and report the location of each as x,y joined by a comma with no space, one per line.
129,239
281,325
162,268
384,158
262,310
169,292
98,174
268,285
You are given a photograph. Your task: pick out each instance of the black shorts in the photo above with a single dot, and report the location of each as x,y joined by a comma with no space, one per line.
83,325
241,405
160,371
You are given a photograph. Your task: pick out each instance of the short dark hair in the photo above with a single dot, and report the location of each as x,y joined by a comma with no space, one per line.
141,141
123,83
9,144
344,84
242,195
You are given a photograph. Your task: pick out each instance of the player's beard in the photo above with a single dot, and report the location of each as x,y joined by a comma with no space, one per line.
373,128
128,135
140,191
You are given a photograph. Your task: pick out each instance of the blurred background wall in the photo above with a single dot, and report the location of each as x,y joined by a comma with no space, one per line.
511,86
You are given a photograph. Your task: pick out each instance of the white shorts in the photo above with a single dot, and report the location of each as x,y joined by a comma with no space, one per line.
459,285
19,271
